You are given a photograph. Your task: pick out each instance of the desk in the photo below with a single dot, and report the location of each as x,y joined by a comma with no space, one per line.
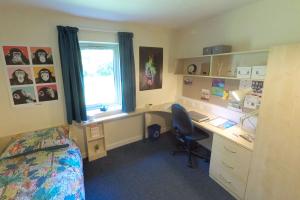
230,153
231,133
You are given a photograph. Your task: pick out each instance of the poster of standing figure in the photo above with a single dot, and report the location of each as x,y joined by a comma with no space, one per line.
151,68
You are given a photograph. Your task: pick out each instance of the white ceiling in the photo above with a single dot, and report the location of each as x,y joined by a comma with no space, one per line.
170,13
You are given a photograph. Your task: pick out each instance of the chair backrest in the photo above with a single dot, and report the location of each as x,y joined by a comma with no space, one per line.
181,121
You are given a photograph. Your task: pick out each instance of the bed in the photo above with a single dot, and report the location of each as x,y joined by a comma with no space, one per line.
41,165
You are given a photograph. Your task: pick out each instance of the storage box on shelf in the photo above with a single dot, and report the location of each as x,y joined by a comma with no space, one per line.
95,141
224,65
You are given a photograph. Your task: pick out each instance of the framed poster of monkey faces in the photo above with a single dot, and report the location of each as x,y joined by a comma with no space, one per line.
16,55
30,74
23,95
20,75
41,56
47,92
44,75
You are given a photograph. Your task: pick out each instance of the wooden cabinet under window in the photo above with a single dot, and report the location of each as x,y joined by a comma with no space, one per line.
95,140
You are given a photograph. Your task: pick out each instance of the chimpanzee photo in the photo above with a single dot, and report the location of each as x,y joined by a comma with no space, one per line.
22,97
45,76
40,56
47,94
20,77
16,57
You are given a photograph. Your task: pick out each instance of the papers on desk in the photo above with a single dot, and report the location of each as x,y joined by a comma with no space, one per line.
221,123
198,117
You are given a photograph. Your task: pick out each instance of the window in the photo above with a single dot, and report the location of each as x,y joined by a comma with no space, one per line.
102,82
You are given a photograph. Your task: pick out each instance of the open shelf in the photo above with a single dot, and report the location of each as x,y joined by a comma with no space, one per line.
220,77
222,65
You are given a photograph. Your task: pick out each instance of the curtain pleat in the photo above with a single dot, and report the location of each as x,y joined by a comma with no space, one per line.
127,71
72,73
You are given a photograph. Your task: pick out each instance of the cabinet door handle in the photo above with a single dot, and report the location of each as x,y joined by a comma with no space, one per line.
224,179
226,148
226,165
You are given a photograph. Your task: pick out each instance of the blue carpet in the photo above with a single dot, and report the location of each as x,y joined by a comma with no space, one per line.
148,171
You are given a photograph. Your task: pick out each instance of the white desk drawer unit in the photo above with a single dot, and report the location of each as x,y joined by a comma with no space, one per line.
229,165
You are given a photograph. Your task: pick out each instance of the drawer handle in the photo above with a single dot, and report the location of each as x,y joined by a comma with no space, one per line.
226,148
224,179
226,165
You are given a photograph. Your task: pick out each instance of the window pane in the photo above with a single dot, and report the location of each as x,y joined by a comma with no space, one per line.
99,77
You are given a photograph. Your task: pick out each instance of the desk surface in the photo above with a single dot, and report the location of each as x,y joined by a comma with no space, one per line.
231,133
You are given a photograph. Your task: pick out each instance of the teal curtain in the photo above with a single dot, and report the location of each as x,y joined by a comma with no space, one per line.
127,71
72,73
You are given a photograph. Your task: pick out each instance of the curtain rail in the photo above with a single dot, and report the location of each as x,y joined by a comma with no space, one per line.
97,29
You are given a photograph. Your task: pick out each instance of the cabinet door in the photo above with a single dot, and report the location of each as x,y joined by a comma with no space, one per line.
274,173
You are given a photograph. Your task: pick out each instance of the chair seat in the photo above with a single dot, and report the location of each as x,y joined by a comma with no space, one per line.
198,134
207,142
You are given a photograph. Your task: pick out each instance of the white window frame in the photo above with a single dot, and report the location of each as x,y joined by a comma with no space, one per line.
117,79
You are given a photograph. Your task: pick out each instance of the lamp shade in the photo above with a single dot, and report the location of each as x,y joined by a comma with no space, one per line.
239,95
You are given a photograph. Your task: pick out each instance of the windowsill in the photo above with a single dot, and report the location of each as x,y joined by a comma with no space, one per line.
95,114
109,116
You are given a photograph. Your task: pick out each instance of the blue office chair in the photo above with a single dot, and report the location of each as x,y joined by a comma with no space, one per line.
186,134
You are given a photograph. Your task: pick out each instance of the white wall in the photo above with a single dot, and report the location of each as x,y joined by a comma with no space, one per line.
27,26
256,26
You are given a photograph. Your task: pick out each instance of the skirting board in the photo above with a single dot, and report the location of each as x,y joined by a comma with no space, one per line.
125,142
131,140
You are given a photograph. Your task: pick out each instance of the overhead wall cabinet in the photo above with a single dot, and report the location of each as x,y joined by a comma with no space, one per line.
234,65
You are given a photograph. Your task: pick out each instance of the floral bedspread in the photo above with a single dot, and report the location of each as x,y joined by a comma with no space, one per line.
44,175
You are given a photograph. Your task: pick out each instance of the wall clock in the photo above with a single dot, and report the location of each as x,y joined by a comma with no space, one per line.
191,69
